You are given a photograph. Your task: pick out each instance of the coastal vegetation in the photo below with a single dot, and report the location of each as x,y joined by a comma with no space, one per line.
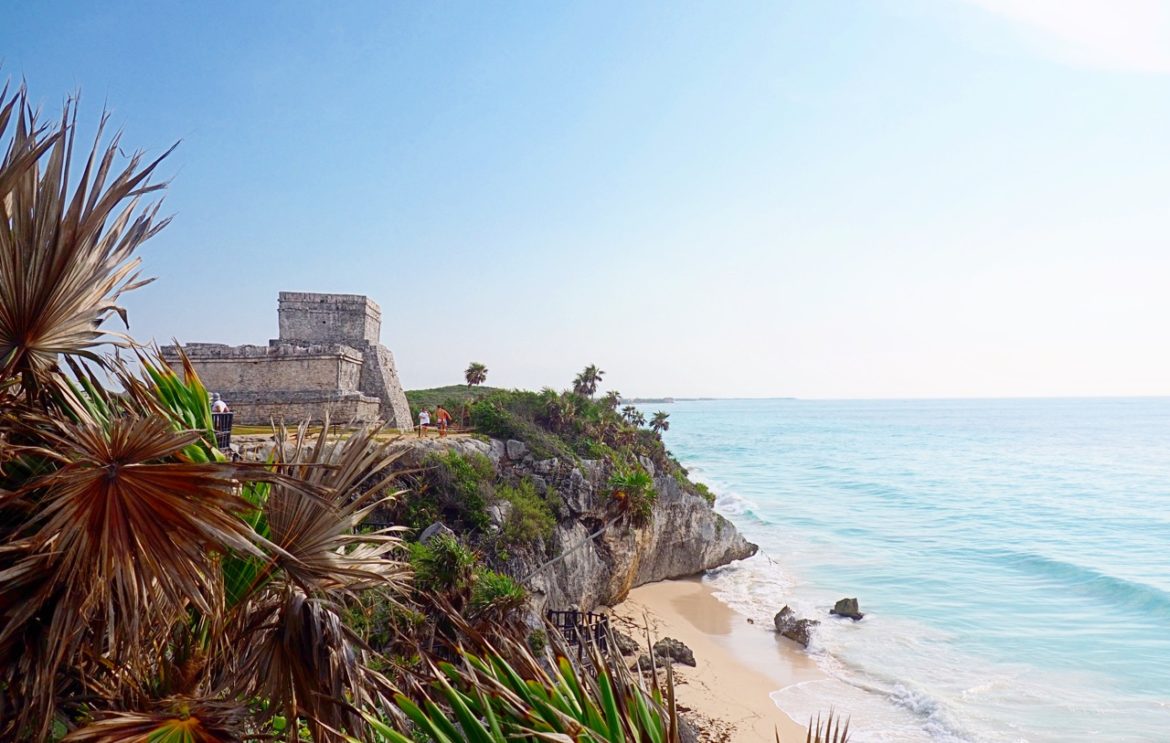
152,589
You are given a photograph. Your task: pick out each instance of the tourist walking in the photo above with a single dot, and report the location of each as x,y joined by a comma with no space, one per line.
424,420
444,419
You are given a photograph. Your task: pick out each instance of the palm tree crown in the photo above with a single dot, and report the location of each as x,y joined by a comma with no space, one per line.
475,374
586,382
659,422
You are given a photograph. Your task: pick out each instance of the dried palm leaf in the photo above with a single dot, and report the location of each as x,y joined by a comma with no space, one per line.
298,653
174,721
122,543
66,242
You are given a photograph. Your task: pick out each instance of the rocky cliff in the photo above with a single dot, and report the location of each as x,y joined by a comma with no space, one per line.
683,536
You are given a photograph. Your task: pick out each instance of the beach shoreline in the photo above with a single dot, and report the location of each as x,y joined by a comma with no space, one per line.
739,664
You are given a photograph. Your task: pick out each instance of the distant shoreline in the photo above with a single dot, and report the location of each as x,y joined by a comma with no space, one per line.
669,400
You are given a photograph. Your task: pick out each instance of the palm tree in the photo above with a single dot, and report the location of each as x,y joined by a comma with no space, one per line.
613,398
475,374
561,411
586,382
659,423
633,416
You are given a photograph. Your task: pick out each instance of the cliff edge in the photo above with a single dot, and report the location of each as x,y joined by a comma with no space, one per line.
682,535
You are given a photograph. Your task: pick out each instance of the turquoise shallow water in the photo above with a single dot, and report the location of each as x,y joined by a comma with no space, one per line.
1013,557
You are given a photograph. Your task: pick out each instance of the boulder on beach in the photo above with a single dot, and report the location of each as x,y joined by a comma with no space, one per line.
645,664
793,627
626,644
847,608
667,651
674,650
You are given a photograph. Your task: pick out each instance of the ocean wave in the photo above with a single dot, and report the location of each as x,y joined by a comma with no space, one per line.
1117,593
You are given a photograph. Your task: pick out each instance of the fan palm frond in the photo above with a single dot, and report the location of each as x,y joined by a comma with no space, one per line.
66,243
122,539
174,721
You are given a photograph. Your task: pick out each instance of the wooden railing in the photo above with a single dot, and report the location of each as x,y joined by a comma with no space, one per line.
581,627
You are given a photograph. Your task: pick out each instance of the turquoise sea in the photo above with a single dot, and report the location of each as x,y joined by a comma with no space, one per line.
1013,557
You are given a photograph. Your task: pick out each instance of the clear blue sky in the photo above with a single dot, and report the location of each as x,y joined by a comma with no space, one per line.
895,198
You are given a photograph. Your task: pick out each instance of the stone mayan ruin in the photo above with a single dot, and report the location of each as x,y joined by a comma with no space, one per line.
328,360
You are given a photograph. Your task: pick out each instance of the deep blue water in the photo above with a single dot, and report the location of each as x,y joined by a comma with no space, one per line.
1013,557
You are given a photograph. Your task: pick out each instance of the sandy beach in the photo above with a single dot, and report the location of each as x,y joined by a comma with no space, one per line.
738,664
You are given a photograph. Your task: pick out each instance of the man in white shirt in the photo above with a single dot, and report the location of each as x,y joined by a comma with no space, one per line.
218,405
424,420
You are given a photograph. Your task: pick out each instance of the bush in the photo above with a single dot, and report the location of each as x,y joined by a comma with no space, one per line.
705,493
497,593
445,565
459,488
635,488
513,415
530,519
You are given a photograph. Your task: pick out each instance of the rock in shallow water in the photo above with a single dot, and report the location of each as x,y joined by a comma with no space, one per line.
847,608
792,627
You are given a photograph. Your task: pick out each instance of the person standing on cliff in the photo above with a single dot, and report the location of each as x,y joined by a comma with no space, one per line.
424,420
444,419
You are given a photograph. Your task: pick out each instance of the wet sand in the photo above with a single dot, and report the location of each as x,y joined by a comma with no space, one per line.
739,664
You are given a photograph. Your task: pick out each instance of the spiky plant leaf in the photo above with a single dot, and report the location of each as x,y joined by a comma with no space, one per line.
122,541
66,243
177,721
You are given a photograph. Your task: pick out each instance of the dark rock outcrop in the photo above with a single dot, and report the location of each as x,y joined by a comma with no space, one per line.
847,608
674,650
626,644
645,664
793,627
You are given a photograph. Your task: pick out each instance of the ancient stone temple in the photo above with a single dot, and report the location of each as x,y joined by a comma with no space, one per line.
328,360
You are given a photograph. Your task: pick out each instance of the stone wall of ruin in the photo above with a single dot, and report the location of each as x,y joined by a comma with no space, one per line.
328,318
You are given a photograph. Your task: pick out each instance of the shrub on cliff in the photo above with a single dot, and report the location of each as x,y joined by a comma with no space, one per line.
634,490
452,488
530,517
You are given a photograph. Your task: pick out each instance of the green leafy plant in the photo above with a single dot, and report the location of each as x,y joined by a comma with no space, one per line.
634,490
489,699
496,594
444,565
530,517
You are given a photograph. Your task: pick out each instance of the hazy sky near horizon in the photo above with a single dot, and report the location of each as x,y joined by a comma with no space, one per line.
883,198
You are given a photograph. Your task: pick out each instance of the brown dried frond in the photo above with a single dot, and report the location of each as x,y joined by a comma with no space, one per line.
303,659
326,548
122,542
297,651
66,243
175,719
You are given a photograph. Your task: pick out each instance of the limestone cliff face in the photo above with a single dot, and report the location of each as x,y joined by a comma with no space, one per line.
684,536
